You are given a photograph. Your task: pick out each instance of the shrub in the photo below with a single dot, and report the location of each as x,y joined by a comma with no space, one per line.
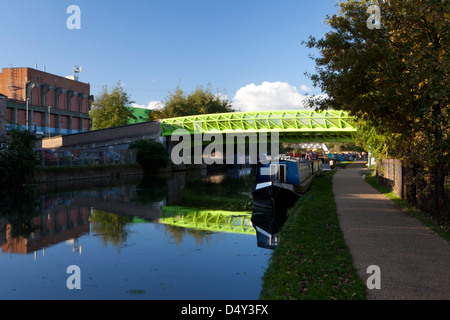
151,155
17,159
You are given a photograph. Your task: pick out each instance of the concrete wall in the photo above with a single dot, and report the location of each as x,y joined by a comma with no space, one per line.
85,173
106,137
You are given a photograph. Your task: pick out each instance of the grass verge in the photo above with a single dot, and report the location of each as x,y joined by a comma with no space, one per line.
440,227
312,261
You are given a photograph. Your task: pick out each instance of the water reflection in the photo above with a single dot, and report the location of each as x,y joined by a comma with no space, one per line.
268,225
182,230
30,223
206,220
111,228
193,201
17,209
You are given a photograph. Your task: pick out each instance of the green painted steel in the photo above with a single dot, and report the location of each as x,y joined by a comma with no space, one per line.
208,220
292,125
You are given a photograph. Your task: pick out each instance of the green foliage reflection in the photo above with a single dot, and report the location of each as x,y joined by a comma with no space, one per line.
110,227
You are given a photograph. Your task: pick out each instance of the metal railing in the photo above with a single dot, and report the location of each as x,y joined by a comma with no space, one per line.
417,186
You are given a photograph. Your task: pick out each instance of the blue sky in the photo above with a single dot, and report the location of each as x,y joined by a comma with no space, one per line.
250,50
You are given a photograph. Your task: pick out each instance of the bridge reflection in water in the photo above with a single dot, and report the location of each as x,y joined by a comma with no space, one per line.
208,220
265,225
135,239
197,202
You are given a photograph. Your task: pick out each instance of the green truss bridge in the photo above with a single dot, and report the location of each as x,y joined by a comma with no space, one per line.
291,125
208,220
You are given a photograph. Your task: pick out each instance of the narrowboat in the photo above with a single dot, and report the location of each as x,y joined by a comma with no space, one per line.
282,181
268,225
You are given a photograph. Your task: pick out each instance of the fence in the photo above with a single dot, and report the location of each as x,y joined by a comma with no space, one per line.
417,186
390,173
80,157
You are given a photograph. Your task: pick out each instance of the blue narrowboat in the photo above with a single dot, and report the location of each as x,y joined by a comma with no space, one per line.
281,182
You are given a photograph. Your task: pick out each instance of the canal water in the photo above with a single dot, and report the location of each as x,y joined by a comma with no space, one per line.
186,236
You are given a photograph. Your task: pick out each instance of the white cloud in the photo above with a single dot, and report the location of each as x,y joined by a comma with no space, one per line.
305,88
269,96
222,96
151,105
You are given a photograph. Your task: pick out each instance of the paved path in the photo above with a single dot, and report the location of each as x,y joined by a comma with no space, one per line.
414,261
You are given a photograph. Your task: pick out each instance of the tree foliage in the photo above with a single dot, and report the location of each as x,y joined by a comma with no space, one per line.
395,80
17,160
200,101
151,155
111,109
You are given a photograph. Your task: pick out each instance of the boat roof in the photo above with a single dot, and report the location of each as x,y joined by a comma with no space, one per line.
284,159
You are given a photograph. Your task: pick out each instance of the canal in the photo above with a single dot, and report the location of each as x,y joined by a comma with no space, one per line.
185,236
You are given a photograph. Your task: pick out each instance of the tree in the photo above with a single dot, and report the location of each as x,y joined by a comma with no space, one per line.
394,79
17,160
111,109
201,101
368,138
151,155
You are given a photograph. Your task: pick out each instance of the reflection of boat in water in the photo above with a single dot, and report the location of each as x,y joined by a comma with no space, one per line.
282,181
268,224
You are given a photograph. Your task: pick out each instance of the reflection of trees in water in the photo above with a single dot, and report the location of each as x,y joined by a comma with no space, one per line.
178,233
110,227
18,207
233,194
151,190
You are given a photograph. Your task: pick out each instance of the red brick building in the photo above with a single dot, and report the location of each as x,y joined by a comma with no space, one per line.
52,227
3,100
44,102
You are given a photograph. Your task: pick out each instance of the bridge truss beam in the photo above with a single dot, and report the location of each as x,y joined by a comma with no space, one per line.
208,220
292,125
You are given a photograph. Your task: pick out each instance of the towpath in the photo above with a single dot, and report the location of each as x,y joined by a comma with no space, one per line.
413,260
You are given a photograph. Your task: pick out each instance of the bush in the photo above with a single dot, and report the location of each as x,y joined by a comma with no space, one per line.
151,155
17,159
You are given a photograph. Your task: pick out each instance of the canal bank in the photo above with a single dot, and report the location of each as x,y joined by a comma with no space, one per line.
344,230
53,178
312,261
50,175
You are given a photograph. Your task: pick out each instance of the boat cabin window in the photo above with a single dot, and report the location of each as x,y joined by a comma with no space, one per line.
282,173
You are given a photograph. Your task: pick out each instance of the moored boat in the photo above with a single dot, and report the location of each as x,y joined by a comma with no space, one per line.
282,181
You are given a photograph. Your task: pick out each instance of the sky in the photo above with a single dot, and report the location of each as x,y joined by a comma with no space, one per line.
248,50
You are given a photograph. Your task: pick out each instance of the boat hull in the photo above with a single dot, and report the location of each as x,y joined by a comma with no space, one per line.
271,195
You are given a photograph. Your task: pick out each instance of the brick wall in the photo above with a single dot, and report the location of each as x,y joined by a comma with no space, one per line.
65,97
2,115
